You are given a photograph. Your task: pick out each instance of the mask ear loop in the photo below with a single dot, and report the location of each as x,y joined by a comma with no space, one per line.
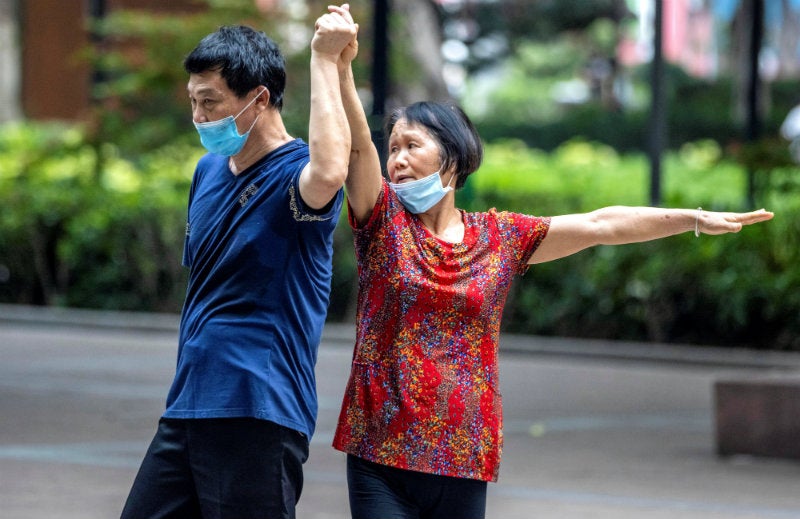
250,104
254,123
448,187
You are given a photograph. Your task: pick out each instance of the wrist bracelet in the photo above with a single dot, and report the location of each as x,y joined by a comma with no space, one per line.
697,222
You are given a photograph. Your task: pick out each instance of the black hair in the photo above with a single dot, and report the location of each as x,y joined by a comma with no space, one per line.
245,58
459,142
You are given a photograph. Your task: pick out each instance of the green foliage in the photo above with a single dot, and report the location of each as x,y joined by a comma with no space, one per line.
141,101
520,90
46,174
84,226
730,290
523,179
543,20
521,100
94,216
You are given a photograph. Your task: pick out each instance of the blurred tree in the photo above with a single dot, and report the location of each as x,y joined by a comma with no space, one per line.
141,101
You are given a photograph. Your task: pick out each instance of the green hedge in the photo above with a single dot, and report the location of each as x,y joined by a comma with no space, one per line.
695,110
83,227
735,289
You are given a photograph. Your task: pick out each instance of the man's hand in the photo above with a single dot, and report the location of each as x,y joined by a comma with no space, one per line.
335,35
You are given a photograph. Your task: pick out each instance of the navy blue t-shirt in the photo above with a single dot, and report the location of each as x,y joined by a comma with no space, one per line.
258,293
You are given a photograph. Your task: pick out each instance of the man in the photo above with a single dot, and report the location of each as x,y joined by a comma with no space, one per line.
262,210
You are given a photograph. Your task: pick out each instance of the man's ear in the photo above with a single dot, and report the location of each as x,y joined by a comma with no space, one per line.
262,101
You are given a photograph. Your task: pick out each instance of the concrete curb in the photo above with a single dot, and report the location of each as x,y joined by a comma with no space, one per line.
344,334
652,352
52,316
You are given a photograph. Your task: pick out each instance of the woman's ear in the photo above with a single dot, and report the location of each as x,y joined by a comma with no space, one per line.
453,180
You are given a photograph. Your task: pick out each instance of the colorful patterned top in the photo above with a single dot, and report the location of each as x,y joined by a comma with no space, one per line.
423,392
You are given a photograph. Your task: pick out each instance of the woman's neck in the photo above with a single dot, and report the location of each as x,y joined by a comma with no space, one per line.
446,224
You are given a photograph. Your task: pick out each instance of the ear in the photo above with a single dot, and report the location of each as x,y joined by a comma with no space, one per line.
262,101
452,181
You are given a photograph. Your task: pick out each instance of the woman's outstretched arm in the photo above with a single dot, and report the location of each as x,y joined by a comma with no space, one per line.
618,225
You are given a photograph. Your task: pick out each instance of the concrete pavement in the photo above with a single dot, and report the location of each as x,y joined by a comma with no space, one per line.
592,428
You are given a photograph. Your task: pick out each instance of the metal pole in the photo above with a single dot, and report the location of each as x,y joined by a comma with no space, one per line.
755,9
97,11
658,116
380,73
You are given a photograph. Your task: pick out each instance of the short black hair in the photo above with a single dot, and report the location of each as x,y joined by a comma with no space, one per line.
245,58
459,142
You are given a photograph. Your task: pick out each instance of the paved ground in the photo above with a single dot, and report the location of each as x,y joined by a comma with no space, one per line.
593,429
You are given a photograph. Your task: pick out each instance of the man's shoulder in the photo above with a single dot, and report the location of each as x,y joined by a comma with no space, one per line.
212,161
290,157
296,149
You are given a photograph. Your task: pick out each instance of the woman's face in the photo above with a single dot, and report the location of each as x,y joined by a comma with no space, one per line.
413,153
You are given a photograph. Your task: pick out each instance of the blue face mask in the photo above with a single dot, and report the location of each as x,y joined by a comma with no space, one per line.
222,137
420,195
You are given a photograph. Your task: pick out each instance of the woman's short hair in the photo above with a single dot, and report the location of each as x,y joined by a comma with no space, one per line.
459,142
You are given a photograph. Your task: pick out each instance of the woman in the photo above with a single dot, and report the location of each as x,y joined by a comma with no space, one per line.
421,418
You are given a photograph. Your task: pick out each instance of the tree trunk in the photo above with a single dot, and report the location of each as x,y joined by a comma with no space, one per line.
789,41
422,31
9,62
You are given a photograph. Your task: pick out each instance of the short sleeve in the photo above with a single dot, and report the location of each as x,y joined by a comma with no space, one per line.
374,217
302,213
521,234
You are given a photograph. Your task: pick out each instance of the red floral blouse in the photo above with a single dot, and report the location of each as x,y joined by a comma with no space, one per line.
423,392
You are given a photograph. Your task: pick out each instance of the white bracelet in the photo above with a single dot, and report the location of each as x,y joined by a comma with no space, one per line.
697,222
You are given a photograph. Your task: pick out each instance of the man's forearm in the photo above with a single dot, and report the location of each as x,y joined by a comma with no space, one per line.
328,130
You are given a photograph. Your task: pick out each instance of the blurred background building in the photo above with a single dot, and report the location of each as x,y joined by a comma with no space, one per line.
42,42
44,71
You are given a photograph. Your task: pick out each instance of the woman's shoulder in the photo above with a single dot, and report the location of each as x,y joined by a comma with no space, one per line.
490,215
505,221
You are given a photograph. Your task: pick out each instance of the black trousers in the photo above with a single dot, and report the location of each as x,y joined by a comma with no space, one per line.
382,492
219,468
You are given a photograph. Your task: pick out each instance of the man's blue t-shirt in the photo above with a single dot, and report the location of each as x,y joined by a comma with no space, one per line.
258,293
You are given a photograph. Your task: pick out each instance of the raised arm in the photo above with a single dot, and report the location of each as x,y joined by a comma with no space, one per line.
618,225
364,172
328,132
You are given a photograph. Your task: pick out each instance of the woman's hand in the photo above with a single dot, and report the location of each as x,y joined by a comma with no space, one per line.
709,222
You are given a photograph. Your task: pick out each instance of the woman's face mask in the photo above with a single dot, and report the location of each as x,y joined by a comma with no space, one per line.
222,137
420,195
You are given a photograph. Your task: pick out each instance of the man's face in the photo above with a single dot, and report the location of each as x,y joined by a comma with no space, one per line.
211,98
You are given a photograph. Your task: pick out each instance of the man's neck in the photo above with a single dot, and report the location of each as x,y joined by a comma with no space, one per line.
266,136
